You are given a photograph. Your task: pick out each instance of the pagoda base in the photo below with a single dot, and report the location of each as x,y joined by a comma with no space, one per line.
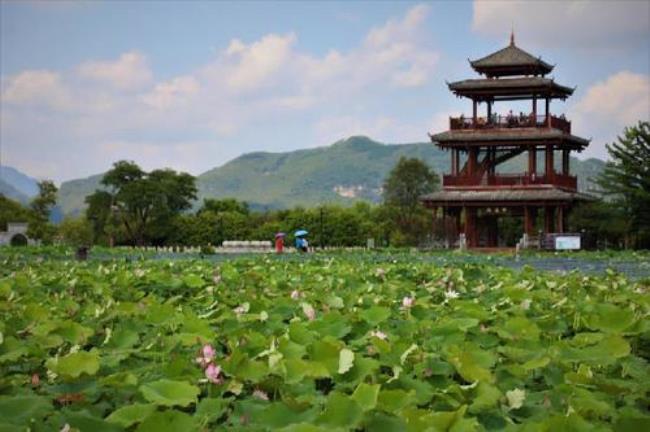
497,218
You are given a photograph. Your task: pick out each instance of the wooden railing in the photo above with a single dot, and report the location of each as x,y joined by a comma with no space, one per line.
507,121
557,179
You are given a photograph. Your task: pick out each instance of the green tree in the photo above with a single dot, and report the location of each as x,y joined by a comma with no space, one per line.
12,211
41,206
406,183
76,231
146,203
626,179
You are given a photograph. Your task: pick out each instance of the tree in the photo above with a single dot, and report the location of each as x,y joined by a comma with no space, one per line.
41,206
626,179
145,203
12,211
405,184
76,232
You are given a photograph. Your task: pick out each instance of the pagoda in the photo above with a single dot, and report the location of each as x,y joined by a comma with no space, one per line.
475,195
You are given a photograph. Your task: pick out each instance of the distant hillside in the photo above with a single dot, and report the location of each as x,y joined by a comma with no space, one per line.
73,193
9,191
17,185
347,171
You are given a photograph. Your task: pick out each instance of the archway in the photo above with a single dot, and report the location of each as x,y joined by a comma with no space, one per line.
18,240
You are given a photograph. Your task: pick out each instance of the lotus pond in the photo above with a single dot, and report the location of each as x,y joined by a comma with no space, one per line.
323,343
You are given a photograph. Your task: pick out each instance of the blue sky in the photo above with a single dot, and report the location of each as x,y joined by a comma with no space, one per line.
192,85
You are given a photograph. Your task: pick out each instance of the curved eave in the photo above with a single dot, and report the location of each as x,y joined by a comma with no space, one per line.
494,89
510,196
508,138
513,69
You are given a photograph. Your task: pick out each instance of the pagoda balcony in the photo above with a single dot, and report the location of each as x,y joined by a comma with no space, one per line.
508,122
512,180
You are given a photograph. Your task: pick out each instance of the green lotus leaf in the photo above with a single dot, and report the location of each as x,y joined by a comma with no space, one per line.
394,400
341,411
609,318
170,393
75,364
366,395
375,315
22,410
131,414
167,421
346,360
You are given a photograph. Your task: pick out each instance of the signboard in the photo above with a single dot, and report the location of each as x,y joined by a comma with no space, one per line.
567,242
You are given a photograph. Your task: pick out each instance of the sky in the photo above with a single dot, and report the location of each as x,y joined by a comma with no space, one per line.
191,85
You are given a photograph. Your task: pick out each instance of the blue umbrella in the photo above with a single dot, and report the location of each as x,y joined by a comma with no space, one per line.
301,233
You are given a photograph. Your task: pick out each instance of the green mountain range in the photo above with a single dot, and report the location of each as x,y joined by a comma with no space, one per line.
16,185
344,172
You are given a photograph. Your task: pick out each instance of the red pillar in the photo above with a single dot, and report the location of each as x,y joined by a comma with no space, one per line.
532,160
470,226
548,219
549,163
530,214
559,220
472,161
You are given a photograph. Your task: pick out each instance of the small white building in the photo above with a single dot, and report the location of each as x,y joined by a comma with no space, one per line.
16,235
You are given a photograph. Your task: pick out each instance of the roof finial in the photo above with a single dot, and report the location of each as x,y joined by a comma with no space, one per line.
512,36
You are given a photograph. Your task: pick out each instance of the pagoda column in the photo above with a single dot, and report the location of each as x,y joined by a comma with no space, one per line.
474,111
532,161
548,219
534,110
493,231
489,111
559,220
549,163
470,226
530,215
548,114
565,162
454,163
472,161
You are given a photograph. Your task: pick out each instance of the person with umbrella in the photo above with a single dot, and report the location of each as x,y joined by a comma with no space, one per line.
301,241
279,242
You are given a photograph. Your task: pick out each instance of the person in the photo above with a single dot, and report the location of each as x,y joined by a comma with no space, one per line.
301,244
279,243
305,245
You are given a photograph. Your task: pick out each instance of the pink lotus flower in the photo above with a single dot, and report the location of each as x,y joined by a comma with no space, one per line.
408,302
309,311
212,373
295,294
261,395
207,355
379,334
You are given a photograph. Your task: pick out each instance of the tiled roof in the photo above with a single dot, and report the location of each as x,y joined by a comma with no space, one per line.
492,195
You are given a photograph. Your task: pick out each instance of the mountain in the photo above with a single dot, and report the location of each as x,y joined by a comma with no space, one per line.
348,170
72,194
16,185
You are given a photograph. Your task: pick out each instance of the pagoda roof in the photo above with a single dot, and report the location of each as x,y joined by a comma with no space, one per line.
486,196
509,88
513,137
511,60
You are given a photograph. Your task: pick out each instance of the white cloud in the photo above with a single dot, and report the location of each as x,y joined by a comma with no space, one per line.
608,106
129,71
169,93
36,87
588,24
115,109
250,66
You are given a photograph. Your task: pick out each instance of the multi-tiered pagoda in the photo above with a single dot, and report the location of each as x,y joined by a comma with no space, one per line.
475,194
